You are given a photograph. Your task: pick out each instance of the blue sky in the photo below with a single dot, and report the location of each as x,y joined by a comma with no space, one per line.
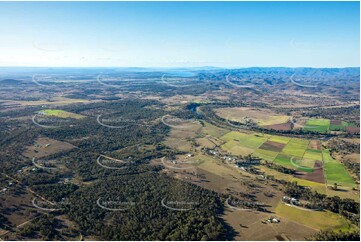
180,34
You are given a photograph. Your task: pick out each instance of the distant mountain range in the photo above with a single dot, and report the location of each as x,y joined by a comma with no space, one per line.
10,71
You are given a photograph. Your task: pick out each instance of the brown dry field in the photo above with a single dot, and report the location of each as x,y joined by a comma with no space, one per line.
300,122
353,130
352,140
284,126
240,112
251,221
236,182
204,142
316,175
314,144
183,99
178,138
253,229
335,122
304,105
273,146
354,157
42,151
260,115
18,202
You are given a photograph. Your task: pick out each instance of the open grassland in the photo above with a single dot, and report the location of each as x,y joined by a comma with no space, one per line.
212,165
178,139
262,117
314,219
252,141
319,187
207,143
43,147
233,135
234,148
335,171
212,130
345,192
61,113
275,119
252,224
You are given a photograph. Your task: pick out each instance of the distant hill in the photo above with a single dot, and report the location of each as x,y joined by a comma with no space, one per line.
10,82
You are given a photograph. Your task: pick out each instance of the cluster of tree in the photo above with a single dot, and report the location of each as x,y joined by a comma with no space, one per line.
140,182
4,222
353,167
38,177
280,168
329,235
343,146
48,227
44,227
55,192
149,204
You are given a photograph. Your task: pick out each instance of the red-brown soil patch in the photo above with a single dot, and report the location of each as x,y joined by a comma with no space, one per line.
336,122
284,126
315,145
316,175
273,146
353,130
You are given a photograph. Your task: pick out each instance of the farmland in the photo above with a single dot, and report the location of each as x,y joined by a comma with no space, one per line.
280,150
293,153
335,171
269,119
327,125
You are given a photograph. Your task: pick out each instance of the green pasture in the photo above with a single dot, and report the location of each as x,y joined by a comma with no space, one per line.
313,154
267,155
296,147
284,160
61,113
279,139
335,171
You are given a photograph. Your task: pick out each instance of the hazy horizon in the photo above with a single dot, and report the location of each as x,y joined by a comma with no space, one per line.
177,34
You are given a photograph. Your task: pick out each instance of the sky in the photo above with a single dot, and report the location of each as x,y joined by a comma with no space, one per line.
180,34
